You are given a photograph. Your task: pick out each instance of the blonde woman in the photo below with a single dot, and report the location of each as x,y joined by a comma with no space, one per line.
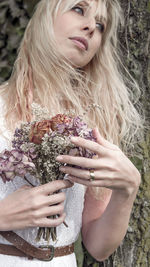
68,60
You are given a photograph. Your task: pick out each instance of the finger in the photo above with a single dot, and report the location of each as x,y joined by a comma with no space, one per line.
49,222
85,182
102,141
88,144
107,183
66,179
54,186
40,201
79,161
55,198
50,211
101,172
84,174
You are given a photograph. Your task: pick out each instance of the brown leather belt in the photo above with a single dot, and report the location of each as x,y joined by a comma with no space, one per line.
22,248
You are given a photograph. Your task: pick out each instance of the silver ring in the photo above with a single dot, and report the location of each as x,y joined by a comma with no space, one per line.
92,175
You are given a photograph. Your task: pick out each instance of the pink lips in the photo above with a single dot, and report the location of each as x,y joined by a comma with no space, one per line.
80,42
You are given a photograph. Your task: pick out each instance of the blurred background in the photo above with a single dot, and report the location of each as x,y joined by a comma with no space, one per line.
135,46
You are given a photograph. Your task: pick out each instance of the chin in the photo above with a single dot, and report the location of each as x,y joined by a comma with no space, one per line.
77,64
75,59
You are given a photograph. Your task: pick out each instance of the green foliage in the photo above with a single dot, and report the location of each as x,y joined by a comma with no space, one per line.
148,6
79,252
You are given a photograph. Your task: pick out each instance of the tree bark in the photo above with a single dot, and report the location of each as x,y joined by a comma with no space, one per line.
135,39
135,42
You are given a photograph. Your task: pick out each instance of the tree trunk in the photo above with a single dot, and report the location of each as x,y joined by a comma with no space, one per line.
135,38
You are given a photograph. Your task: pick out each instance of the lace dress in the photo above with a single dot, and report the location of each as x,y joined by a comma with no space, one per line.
65,236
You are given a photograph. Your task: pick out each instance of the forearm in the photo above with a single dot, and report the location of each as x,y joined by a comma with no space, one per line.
103,235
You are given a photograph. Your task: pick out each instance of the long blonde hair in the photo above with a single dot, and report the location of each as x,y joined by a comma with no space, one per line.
41,71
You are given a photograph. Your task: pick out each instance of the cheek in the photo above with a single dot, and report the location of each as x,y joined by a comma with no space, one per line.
58,27
61,26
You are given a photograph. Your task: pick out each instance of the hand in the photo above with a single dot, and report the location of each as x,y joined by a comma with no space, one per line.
30,207
112,169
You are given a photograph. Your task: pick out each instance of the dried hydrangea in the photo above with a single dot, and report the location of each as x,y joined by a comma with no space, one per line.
14,163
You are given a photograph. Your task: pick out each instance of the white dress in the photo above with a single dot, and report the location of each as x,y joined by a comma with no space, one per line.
65,236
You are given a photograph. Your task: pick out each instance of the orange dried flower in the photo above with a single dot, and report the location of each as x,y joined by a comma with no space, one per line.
38,130
59,119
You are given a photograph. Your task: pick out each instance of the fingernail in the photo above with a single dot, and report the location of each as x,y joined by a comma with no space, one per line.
59,158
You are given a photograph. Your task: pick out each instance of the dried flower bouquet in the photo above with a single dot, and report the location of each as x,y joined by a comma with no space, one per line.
36,145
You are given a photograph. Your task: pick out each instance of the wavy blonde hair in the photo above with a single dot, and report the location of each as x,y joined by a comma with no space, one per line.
40,70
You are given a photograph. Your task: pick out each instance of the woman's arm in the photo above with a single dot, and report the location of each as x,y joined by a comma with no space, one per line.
105,223
29,207
104,226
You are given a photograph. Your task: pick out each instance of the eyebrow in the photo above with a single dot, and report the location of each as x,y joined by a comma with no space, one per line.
85,3
101,18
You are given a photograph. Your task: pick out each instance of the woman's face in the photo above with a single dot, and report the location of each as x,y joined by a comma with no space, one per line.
78,32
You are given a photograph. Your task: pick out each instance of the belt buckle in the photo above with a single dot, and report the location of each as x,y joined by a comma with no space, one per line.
52,252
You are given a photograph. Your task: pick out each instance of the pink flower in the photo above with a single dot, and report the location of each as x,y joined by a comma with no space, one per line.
14,163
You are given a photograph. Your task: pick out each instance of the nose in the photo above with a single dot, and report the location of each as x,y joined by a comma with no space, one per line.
89,26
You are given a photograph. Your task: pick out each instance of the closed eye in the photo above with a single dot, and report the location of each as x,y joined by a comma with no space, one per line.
78,9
